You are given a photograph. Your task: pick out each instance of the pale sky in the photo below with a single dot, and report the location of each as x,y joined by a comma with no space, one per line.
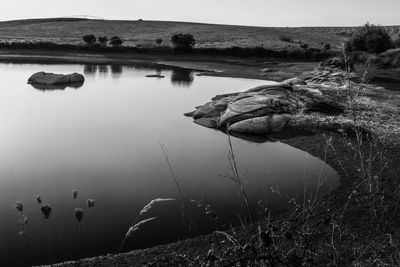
244,12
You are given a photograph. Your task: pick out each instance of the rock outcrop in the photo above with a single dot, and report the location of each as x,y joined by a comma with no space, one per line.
264,109
45,78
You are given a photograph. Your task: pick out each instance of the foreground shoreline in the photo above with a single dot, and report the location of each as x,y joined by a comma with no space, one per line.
223,67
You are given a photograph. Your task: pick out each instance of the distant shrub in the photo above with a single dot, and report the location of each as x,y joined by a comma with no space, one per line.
327,47
344,33
304,46
183,42
116,41
371,38
396,42
159,41
285,38
103,40
89,39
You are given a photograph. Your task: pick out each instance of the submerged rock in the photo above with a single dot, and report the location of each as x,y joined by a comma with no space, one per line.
45,78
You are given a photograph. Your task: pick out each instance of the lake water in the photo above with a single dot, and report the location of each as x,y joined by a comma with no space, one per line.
103,139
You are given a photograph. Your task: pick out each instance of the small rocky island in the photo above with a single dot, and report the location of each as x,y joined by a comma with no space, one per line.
44,78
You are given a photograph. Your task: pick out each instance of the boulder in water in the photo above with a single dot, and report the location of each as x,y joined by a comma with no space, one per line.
52,78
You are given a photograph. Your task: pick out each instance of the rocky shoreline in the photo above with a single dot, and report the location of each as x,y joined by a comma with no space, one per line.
319,100
265,109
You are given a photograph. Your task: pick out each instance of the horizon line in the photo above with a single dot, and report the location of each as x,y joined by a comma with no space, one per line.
91,17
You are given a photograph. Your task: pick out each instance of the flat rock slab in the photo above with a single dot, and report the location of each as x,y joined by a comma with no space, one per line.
261,125
46,78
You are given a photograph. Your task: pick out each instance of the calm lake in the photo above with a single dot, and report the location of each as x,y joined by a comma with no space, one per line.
103,139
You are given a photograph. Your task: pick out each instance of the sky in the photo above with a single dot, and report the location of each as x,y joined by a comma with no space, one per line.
244,12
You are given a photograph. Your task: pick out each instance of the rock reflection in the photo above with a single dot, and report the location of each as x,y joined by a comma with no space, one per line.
182,77
53,87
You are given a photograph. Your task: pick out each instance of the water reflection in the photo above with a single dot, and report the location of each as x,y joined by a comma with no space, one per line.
89,70
182,77
116,70
53,87
178,76
103,70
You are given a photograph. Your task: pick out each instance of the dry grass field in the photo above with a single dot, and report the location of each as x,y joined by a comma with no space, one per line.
144,33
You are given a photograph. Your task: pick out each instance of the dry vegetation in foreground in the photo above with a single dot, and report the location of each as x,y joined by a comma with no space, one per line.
357,225
146,33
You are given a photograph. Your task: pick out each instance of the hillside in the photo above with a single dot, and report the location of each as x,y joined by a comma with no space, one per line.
144,33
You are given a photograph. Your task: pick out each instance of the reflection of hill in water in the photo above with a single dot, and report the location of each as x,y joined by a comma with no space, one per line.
53,87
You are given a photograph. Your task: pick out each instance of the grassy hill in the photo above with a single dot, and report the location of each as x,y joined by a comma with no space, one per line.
144,33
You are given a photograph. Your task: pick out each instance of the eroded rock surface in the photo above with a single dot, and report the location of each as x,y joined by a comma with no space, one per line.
264,109
45,78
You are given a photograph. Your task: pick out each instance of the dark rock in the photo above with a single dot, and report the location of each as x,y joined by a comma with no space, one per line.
52,79
188,114
155,76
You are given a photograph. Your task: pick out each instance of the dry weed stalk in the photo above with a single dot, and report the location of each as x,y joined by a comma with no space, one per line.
237,179
136,223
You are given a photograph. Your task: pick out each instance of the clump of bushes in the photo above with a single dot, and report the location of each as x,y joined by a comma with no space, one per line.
159,41
183,42
327,47
89,39
370,38
102,40
285,38
116,41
